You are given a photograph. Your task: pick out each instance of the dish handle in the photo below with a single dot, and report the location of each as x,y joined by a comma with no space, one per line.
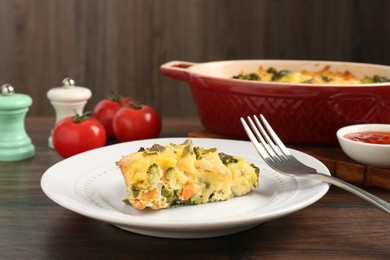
177,69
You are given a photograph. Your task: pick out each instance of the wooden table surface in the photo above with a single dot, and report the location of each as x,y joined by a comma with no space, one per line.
32,226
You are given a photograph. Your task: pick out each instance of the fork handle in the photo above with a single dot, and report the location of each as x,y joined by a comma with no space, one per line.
383,205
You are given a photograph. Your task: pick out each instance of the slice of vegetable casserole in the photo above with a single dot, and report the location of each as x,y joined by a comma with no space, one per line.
181,174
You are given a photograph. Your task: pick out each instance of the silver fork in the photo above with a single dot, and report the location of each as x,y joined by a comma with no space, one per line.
279,158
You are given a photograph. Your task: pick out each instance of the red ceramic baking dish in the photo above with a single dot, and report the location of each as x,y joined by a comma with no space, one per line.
298,112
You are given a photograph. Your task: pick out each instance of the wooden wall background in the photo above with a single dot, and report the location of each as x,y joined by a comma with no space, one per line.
119,45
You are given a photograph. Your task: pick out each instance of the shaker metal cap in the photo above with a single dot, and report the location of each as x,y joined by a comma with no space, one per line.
7,89
9,100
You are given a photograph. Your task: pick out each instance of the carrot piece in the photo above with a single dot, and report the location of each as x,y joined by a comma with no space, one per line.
137,204
148,195
347,75
188,190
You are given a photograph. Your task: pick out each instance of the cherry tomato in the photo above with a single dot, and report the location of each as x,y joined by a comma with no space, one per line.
136,122
73,135
105,110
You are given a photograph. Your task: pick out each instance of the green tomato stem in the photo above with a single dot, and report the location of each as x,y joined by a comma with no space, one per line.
135,105
115,96
77,118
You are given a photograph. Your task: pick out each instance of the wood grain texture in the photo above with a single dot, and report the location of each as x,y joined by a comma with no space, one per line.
119,45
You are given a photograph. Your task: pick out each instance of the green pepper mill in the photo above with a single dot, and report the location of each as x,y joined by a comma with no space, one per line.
15,144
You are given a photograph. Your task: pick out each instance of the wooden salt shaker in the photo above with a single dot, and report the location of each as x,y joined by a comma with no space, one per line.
68,100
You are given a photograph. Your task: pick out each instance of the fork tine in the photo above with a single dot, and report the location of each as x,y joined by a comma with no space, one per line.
277,140
276,153
256,132
264,149
259,135
259,147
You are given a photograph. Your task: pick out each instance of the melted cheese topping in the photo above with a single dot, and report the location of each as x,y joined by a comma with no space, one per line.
180,174
323,76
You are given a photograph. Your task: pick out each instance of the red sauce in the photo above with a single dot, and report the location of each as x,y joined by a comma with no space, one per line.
371,137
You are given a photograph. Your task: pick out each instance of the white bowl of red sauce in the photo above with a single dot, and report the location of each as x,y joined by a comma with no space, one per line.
368,144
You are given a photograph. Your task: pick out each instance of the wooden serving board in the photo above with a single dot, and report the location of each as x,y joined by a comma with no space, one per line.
338,163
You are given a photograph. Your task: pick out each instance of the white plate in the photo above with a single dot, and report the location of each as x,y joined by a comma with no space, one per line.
91,185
